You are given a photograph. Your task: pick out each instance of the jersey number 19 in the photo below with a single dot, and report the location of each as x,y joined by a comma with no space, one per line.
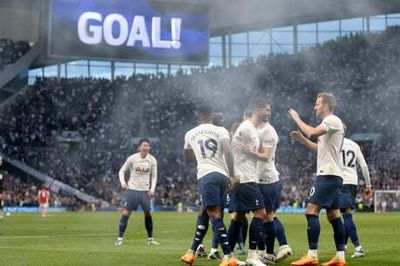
210,145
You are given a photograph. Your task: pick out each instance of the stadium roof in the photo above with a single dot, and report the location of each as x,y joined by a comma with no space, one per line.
28,19
229,16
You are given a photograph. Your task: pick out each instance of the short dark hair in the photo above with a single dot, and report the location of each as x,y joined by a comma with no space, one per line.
143,140
218,118
204,111
257,102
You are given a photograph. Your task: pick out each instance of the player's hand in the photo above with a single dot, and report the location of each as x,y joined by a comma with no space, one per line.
296,135
124,185
233,182
247,149
295,116
150,194
243,147
368,192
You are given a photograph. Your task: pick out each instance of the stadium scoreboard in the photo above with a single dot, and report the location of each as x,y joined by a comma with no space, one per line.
140,30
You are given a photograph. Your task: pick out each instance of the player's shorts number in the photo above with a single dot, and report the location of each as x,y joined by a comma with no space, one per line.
312,191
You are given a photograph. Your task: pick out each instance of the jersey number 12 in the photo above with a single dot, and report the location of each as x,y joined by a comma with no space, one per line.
348,155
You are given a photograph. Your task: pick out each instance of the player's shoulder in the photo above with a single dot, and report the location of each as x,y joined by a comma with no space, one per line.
222,131
333,118
333,121
133,157
245,125
190,131
351,143
267,129
152,158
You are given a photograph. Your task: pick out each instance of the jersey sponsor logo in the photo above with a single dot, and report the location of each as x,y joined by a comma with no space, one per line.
142,170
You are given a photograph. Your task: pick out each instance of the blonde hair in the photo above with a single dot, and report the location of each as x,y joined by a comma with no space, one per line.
329,99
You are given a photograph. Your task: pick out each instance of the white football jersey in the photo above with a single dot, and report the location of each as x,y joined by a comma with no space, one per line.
266,170
351,155
329,146
142,172
205,141
245,164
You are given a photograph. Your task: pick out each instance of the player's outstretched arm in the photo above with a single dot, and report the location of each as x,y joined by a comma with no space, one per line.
228,155
364,169
309,131
296,135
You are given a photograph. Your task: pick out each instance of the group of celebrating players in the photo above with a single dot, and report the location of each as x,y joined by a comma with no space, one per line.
236,170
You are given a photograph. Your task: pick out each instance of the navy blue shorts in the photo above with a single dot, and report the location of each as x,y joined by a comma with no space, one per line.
272,194
132,199
347,196
247,197
325,191
229,202
212,189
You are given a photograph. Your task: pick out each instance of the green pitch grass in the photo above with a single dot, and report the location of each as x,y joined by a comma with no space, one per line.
88,239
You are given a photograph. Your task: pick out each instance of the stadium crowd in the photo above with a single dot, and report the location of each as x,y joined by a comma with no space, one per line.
11,51
362,70
23,193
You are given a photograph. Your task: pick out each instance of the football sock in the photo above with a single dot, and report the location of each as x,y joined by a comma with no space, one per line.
313,230
201,230
269,231
123,223
351,229
148,222
280,232
339,234
215,242
233,233
245,229
256,227
261,240
220,231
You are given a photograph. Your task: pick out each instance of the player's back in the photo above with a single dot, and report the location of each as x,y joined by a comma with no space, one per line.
245,164
205,141
349,153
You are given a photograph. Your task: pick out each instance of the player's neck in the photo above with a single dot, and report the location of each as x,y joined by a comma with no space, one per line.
326,114
205,122
143,154
254,120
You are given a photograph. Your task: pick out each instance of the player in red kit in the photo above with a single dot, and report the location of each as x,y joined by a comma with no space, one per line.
43,198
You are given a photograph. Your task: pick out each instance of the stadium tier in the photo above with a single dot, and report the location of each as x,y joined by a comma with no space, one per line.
357,68
11,51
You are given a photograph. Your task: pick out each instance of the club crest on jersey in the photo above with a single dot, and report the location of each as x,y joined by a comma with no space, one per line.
142,170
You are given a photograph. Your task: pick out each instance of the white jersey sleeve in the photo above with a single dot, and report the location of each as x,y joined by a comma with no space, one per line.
205,141
266,170
153,174
329,147
246,164
364,167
